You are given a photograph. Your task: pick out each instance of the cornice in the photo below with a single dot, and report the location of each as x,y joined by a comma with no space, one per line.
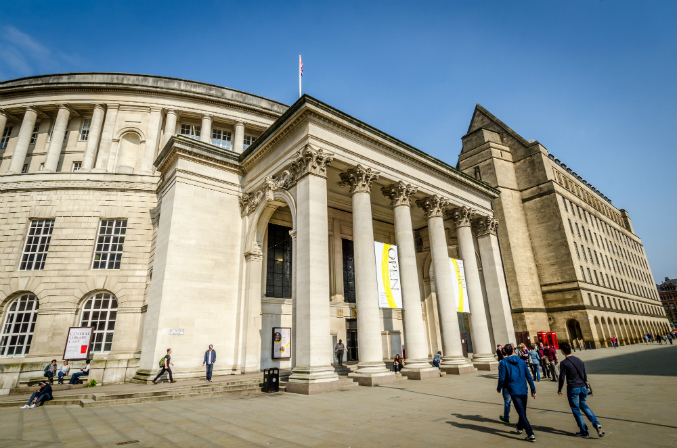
77,185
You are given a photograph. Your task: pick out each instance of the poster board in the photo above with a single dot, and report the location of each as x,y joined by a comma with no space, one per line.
458,288
388,276
78,343
281,343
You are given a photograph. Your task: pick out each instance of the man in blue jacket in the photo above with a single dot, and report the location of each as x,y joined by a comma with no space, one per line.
513,376
210,359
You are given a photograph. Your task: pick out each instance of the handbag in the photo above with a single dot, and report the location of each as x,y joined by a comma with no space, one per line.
587,385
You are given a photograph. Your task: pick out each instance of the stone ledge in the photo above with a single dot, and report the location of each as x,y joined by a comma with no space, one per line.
458,370
374,380
422,374
486,365
313,388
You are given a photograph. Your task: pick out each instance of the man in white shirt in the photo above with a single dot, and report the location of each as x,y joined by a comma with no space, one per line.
210,359
339,349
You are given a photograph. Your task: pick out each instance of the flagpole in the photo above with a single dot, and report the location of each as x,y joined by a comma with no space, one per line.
299,76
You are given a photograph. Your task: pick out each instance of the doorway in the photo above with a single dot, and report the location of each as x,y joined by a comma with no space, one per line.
351,339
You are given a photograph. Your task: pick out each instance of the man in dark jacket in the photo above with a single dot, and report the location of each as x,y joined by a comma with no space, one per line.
210,359
513,376
573,370
44,393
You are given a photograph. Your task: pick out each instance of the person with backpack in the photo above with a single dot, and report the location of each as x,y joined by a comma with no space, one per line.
513,376
573,369
164,364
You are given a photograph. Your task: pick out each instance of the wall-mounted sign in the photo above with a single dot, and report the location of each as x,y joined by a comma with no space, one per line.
388,276
458,285
77,343
176,331
281,342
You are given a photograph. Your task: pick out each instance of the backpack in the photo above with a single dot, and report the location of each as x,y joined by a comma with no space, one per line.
162,362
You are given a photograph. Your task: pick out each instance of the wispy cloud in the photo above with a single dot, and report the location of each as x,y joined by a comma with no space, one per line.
23,55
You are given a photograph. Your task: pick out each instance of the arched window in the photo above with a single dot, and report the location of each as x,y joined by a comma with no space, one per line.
128,153
17,330
100,312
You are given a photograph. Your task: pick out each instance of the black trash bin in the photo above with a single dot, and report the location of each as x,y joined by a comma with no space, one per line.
271,380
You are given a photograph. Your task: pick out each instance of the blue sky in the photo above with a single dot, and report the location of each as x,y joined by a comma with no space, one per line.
594,81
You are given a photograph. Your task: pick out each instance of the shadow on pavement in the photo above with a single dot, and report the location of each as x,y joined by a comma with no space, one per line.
536,428
484,429
657,362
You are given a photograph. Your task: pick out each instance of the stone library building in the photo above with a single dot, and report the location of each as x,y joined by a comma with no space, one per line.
162,212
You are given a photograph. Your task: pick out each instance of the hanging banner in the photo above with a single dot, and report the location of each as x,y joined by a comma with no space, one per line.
77,343
281,342
458,285
388,276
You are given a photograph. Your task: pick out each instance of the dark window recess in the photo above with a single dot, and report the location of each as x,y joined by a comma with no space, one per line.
348,272
278,274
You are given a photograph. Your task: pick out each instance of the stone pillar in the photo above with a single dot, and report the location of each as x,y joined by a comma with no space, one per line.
251,361
483,354
106,138
206,131
312,372
238,143
152,137
453,360
3,122
24,139
93,138
494,280
170,127
417,366
56,142
292,233
371,371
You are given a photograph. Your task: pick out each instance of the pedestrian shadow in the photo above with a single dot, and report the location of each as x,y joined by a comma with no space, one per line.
483,429
536,428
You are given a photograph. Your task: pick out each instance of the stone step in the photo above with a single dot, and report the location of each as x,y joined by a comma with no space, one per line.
148,399
55,388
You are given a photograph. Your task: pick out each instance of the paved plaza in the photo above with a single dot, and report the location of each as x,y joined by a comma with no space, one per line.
635,394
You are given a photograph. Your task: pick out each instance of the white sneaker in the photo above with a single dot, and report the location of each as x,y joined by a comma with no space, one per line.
24,407
31,406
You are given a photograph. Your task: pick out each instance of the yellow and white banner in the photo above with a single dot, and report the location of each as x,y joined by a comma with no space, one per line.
458,285
388,276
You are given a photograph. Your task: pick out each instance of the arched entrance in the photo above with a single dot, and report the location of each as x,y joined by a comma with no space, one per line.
575,333
600,332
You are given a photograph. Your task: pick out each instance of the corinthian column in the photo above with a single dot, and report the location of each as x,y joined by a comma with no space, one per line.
494,281
24,139
93,138
453,360
58,134
417,366
483,356
371,371
312,371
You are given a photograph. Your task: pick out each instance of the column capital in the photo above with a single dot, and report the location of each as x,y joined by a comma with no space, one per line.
99,106
433,206
310,160
486,225
462,216
359,179
399,193
253,255
292,233
207,117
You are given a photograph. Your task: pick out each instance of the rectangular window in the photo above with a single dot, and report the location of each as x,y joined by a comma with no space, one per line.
24,169
191,130
564,201
596,279
571,227
596,259
578,230
65,134
585,235
607,281
248,141
585,257
582,273
590,253
84,130
348,271
590,298
576,247
34,135
5,137
109,243
221,138
76,166
36,245
278,274
597,299
589,275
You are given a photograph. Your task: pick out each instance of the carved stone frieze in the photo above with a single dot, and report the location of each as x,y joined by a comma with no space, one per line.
249,201
486,225
433,206
462,216
359,179
399,193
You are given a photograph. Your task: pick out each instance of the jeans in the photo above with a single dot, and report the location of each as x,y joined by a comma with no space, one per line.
577,400
436,363
75,377
397,367
535,372
61,375
41,397
506,404
168,370
339,357
544,367
521,408
210,368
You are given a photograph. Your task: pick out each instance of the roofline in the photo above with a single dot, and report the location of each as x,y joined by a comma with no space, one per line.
507,128
309,100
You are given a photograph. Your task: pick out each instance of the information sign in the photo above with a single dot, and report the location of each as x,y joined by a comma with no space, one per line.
77,343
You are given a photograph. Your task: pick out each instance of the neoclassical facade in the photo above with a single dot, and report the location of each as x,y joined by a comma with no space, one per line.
171,213
572,260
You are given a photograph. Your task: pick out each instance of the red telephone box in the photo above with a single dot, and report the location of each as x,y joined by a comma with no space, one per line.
548,337
542,337
552,337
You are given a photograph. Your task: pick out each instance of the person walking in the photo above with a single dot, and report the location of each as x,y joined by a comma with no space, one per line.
505,418
670,338
63,371
524,353
339,349
209,360
436,359
544,360
514,375
50,371
44,393
614,342
646,338
534,363
552,362
166,362
573,369
499,353
83,372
